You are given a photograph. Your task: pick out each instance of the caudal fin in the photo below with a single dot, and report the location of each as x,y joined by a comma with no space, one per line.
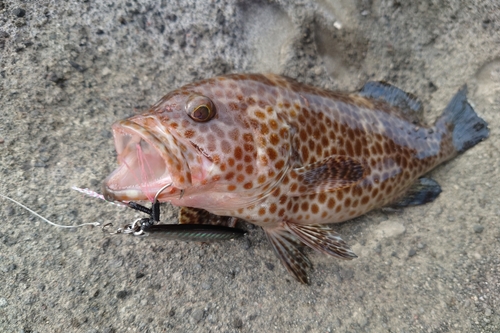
468,128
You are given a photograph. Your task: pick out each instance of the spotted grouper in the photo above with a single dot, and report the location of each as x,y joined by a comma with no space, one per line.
286,156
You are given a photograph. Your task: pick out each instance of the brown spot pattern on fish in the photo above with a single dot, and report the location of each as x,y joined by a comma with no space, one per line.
284,155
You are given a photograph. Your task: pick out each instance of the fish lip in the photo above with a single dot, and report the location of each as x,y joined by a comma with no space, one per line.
119,186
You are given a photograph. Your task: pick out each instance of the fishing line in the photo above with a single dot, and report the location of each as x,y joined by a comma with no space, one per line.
46,220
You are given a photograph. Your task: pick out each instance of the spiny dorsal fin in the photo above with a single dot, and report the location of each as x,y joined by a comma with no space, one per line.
408,103
424,190
287,247
323,239
332,173
189,215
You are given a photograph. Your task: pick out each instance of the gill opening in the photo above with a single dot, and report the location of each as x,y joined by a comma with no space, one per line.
255,199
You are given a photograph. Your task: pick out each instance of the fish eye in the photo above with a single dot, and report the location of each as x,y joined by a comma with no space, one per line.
200,108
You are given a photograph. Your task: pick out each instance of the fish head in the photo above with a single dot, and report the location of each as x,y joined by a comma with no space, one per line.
216,142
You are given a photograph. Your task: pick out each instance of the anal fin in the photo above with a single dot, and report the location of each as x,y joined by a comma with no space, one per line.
189,215
287,247
424,190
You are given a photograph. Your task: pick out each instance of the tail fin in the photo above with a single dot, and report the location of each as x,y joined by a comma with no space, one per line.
468,128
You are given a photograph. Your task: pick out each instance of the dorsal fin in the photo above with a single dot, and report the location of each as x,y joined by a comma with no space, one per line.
408,103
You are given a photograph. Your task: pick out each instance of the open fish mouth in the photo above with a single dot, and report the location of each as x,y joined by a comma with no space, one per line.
146,164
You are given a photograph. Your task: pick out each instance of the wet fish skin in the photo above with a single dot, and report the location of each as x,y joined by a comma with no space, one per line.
286,156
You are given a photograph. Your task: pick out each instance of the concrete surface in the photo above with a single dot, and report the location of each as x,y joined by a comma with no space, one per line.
69,69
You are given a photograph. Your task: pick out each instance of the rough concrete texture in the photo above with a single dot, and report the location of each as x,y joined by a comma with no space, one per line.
69,69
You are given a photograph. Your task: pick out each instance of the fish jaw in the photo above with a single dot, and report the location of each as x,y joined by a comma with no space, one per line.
149,158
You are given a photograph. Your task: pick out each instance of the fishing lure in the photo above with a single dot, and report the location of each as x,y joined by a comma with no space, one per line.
151,227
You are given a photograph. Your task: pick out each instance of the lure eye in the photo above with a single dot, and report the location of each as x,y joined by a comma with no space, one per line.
200,108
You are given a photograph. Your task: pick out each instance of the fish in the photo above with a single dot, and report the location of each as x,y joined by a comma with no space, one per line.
291,158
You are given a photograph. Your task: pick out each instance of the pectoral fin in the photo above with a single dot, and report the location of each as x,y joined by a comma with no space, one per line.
332,173
424,190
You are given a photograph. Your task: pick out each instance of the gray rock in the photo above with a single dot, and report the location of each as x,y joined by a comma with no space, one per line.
389,229
197,315
3,302
478,228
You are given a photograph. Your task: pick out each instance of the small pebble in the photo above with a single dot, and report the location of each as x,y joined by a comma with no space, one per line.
238,323
19,12
3,302
197,315
389,229
362,322
487,312
420,246
412,252
106,71
121,294
246,243
77,66
478,228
